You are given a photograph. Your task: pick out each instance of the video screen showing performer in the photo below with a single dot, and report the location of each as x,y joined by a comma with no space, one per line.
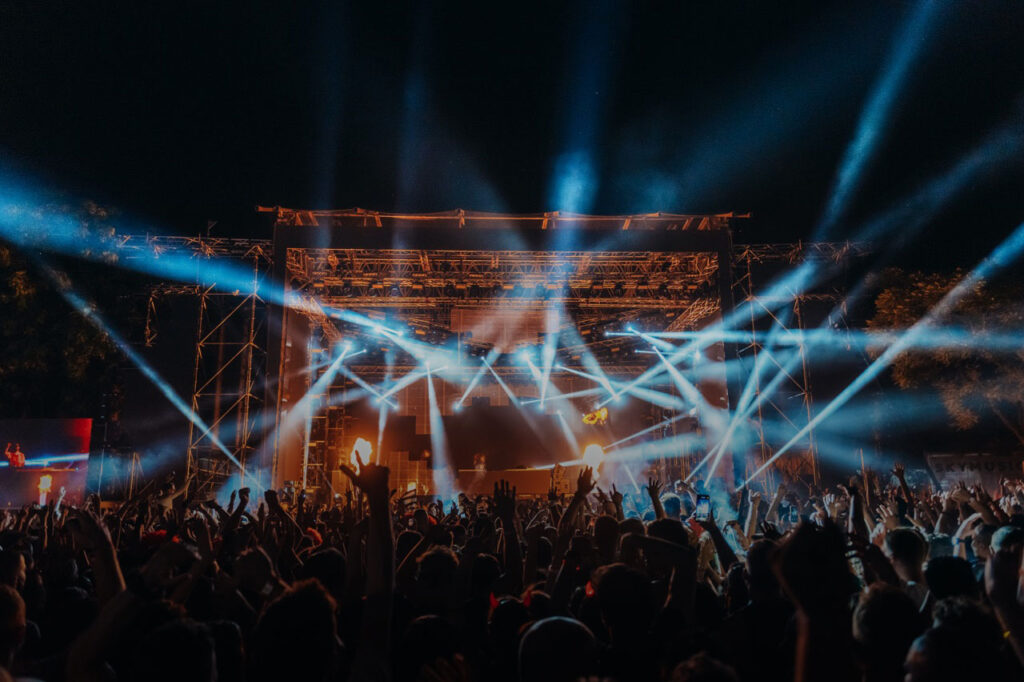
15,457
44,460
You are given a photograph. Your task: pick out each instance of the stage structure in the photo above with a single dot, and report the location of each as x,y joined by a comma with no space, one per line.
485,287
485,284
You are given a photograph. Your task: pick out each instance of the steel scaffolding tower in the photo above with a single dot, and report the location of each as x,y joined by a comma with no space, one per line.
784,312
230,351
227,393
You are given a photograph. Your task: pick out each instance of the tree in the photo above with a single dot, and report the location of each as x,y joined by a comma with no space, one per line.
55,362
975,380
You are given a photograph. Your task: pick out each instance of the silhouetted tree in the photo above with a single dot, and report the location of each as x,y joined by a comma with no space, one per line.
53,361
973,378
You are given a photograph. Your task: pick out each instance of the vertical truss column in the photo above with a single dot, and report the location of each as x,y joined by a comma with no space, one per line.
314,461
812,451
745,285
795,384
230,362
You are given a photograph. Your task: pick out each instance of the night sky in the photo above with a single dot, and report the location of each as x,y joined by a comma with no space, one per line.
181,112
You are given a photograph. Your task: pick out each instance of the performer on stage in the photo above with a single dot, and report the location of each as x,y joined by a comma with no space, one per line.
15,457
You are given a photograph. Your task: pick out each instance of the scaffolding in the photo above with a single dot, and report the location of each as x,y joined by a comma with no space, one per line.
230,361
785,313
230,352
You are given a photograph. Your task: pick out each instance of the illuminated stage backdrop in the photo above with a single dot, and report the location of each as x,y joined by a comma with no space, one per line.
515,318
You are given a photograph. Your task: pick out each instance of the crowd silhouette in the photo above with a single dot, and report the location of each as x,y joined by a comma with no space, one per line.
871,580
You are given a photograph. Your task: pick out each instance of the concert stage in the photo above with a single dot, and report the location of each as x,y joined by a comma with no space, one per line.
444,338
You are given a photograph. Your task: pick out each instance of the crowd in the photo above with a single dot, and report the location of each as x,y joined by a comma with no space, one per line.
873,580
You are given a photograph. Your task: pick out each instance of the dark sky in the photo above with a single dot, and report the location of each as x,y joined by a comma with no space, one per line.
177,112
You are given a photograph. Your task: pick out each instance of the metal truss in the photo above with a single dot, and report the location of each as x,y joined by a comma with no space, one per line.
230,364
409,278
132,246
784,312
230,349
837,252
504,371
461,218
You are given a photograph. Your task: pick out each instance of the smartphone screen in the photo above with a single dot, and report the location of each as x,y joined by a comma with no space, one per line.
703,510
794,515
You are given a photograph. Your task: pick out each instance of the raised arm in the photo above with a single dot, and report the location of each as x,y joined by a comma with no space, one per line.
372,658
755,505
654,492
505,508
901,475
772,515
726,556
584,484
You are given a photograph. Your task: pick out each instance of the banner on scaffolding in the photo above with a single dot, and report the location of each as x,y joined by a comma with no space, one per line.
975,468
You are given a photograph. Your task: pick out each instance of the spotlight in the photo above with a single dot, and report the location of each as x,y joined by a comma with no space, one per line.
593,456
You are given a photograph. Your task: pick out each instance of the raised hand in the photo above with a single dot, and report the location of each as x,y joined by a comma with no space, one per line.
504,500
616,496
923,514
888,515
831,505
899,471
372,479
770,531
243,499
654,488
960,494
585,482
273,504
